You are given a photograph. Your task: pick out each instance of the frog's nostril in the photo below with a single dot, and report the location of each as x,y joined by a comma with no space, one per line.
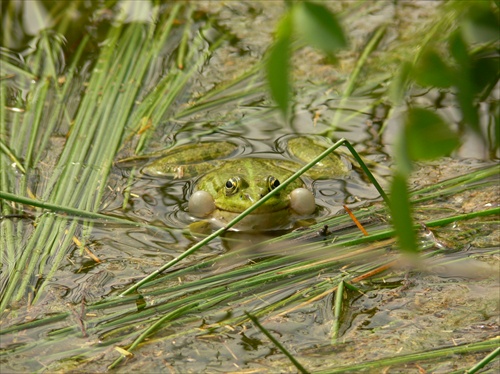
249,197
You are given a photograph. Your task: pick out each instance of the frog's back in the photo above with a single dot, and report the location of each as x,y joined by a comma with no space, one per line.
307,149
189,160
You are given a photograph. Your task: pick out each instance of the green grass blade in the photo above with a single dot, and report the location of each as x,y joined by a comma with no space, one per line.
297,364
402,359
353,77
13,158
485,361
337,312
161,321
367,171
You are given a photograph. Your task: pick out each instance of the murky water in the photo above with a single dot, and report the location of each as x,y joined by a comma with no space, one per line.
407,309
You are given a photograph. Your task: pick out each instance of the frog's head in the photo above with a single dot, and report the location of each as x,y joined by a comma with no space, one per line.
225,193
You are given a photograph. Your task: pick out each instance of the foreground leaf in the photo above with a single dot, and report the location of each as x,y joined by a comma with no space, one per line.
427,136
431,70
401,214
278,66
319,27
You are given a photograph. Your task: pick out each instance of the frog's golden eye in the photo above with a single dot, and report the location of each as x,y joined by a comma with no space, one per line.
232,186
272,183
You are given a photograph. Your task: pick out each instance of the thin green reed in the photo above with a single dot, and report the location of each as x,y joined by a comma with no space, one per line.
49,231
60,111
138,55
80,142
170,87
108,131
51,238
34,121
22,139
7,229
104,114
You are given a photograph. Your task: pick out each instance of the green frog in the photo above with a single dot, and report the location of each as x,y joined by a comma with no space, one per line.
227,186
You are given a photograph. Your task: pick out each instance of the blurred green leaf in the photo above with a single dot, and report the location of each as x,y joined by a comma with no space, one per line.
319,27
485,73
464,82
401,214
465,98
458,49
427,135
431,70
404,164
481,24
278,66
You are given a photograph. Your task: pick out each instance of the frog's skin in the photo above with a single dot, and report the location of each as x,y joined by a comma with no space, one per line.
227,187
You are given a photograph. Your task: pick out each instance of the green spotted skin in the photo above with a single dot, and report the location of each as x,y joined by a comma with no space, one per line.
253,176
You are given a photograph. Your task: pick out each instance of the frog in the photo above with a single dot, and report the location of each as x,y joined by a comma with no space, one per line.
226,184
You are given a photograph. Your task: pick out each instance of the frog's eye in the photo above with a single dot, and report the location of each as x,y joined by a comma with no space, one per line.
272,183
232,186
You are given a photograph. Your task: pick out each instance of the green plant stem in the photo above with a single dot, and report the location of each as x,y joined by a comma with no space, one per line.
337,312
65,209
185,37
9,68
170,316
461,217
455,184
366,170
353,77
39,101
278,345
60,107
7,229
384,234
11,155
172,85
485,361
402,359
97,126
205,102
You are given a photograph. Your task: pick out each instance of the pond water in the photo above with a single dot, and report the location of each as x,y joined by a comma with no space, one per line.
68,317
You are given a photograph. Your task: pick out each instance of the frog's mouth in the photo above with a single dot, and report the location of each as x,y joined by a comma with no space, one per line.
281,207
301,202
278,220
